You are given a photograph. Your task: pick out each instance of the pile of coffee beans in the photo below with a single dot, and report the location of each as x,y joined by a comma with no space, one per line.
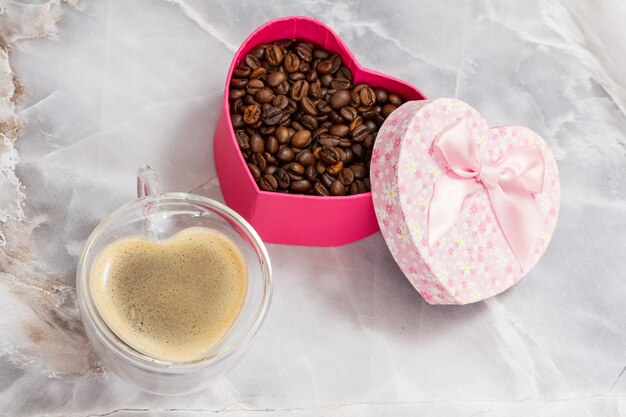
302,125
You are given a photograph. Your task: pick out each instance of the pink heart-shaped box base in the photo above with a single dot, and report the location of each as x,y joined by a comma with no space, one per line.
290,218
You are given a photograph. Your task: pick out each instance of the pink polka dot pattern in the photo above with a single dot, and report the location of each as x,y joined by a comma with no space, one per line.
472,261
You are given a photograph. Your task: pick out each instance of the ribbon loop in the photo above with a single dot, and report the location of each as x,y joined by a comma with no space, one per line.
509,184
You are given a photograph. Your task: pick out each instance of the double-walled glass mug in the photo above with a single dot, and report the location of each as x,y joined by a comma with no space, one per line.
157,216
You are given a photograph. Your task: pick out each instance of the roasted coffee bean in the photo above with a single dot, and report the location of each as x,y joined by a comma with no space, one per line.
252,114
243,140
349,156
258,73
259,161
258,51
308,106
335,63
282,178
275,78
345,73
326,180
282,134
242,72
268,183
319,189
368,97
234,94
273,55
304,51
282,88
325,66
348,113
335,169
360,133
335,118
329,155
326,79
358,150
381,95
358,171
254,85
315,89
310,173
237,121
238,82
387,109
355,123
264,95
267,130
358,187
321,54
320,167
255,171
299,90
305,157
270,159
270,170
319,131
327,139
371,126
297,76
337,188
285,43
296,169
272,115
280,101
285,154
301,139
340,83
271,145
340,98
309,122
257,144
291,63
247,100
252,62
346,176
301,186
394,99
339,130
369,141
323,107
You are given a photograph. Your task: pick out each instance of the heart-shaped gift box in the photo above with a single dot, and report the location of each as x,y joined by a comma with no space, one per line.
465,209
291,218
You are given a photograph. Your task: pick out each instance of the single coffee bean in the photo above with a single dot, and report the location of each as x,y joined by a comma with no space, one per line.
309,122
337,188
301,139
349,156
254,85
328,140
329,155
345,143
247,100
295,169
234,94
267,130
282,178
358,187
282,88
335,169
346,176
270,170
301,186
305,157
299,90
257,144
268,183
237,106
371,126
340,99
273,55
304,51
264,95
237,121
285,154
340,83
359,151
381,95
326,79
282,134
360,133
238,82
323,107
312,76
339,130
258,73
368,97
252,114
325,66
348,113
335,63
275,78
242,72
315,89
271,144
358,171
258,51
321,54
310,173
280,101
297,76
335,118
259,160
284,43
272,115
308,106
369,141
291,63
395,99
252,62
243,140
269,158
255,171
326,180
345,73
387,109
357,121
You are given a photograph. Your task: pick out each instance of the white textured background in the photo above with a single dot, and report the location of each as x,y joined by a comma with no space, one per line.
105,86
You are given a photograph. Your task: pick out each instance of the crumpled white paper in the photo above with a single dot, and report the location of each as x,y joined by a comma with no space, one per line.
128,83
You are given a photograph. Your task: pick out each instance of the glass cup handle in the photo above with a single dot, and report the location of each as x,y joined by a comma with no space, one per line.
147,182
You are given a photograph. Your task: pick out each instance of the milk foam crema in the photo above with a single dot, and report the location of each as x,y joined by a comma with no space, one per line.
171,300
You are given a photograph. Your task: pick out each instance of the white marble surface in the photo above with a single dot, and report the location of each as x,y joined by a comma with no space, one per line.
108,85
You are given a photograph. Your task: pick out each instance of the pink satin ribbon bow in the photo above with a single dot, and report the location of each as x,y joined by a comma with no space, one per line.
509,184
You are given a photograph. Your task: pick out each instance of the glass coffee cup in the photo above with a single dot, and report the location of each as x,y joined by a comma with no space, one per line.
157,216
